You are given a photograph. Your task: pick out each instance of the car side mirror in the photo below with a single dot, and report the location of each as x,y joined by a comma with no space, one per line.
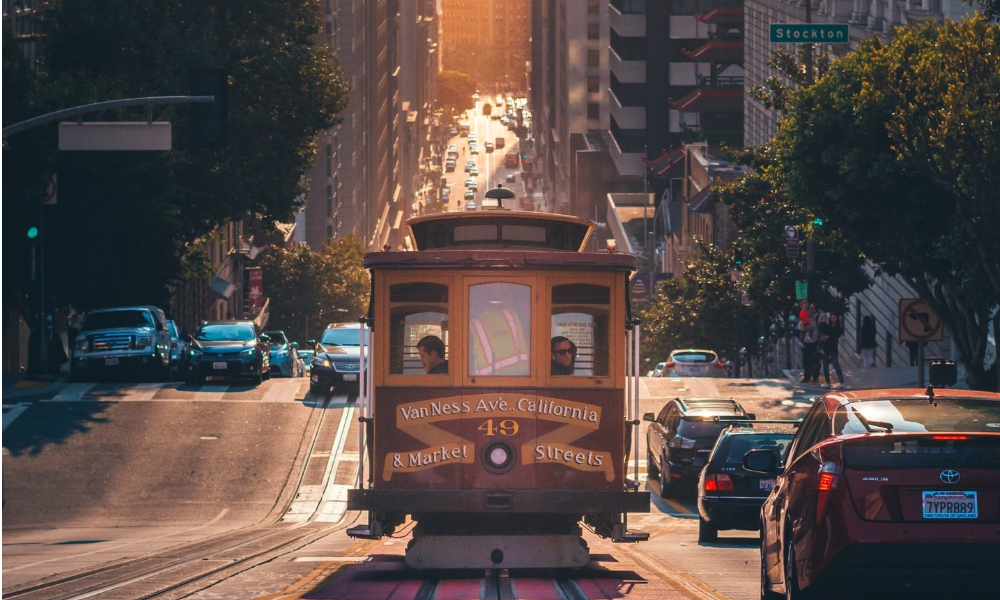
311,342
760,460
294,345
649,417
265,337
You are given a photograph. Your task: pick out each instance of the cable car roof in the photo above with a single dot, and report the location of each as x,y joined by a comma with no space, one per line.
500,228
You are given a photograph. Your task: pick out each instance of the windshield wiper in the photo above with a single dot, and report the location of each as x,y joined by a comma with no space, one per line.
868,424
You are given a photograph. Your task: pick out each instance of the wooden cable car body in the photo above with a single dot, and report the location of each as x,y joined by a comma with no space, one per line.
498,459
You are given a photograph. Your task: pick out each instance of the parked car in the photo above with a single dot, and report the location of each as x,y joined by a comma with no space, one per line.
228,350
470,193
337,362
283,354
511,178
681,436
305,360
488,146
729,496
885,489
127,340
658,370
474,171
178,347
693,362
471,205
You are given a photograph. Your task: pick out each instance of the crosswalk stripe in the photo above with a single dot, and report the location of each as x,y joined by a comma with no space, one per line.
284,390
72,392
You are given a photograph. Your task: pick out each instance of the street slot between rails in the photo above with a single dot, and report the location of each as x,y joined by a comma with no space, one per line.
187,569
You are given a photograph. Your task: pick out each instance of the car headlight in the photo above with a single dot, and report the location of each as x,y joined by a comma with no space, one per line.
248,352
143,341
322,362
194,353
80,344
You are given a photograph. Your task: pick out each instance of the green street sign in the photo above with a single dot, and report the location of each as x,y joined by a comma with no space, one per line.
801,290
809,33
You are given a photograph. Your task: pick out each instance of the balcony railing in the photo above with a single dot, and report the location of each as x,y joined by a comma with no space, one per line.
720,81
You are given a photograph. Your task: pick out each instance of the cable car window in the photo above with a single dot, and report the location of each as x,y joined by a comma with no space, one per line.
416,310
499,329
524,233
580,314
476,233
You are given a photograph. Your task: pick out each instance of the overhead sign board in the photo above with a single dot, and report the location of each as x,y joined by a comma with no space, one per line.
114,136
809,33
918,322
792,241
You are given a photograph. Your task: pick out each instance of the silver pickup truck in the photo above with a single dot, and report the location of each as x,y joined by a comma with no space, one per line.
128,340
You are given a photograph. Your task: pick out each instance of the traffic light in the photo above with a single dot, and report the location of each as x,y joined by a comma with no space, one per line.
209,121
32,232
738,258
818,222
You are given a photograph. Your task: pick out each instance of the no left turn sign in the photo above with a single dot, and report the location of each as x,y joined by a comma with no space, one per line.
917,322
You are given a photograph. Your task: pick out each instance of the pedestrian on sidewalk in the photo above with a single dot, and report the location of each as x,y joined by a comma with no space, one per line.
809,327
868,342
830,330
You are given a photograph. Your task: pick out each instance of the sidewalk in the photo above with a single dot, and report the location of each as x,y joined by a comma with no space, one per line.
18,386
863,379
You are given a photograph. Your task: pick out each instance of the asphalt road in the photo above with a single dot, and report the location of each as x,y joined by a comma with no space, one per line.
98,473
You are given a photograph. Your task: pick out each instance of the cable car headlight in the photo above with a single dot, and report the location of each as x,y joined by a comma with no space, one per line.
498,457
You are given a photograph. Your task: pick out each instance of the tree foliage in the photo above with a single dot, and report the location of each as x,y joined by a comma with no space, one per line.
454,92
130,217
701,309
899,146
309,289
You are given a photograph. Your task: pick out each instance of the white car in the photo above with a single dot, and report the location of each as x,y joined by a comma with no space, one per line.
692,362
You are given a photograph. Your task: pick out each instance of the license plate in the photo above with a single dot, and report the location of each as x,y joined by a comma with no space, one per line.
951,505
767,484
350,377
220,365
110,361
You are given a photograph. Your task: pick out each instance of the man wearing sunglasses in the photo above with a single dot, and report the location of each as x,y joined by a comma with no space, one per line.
563,355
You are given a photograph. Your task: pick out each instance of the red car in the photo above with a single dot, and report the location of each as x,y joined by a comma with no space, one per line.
885,491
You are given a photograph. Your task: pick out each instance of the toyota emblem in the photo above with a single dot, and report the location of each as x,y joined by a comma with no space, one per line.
950,476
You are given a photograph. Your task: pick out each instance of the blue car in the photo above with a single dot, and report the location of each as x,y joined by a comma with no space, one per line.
284,361
228,350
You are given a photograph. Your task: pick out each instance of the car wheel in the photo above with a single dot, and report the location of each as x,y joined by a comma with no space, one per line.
707,532
667,487
194,380
792,591
765,582
651,471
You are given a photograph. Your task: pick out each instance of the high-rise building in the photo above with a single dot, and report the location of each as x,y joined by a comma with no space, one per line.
487,40
354,184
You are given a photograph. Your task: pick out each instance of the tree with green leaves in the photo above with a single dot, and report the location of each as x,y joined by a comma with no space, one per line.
123,228
899,146
701,309
454,92
309,289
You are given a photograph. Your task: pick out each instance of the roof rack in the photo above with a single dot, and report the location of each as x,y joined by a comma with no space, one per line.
752,422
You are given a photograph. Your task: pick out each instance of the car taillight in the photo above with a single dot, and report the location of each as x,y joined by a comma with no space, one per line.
826,483
949,437
681,442
719,364
718,483
669,365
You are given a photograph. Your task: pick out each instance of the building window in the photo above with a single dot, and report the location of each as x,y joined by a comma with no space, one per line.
593,58
593,6
593,31
593,111
593,84
329,232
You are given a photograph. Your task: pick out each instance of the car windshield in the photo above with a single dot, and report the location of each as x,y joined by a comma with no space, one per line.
742,443
277,338
694,357
226,332
173,328
918,415
342,337
117,318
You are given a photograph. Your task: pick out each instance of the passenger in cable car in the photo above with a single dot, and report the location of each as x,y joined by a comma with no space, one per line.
563,356
431,351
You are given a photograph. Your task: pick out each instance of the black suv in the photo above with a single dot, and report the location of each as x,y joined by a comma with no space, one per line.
729,496
682,435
